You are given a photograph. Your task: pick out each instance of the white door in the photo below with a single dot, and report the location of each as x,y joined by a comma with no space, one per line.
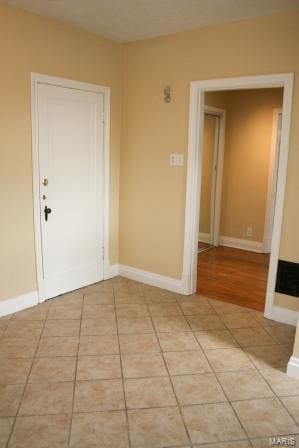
70,144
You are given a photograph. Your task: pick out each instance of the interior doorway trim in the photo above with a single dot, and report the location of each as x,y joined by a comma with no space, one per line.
36,79
217,173
195,149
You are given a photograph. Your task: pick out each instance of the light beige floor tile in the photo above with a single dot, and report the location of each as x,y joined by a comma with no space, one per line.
289,440
92,327
98,367
156,428
250,337
235,444
269,356
205,322
259,317
53,369
143,365
24,328
225,308
280,382
91,396
292,404
264,417
5,428
64,312
132,310
139,343
74,299
202,306
149,393
100,429
14,371
179,341
239,320
95,298
102,287
211,339
129,297
197,389
171,324
41,432
106,344
283,334
244,385
48,398
228,359
131,325
10,397
164,309
61,327
212,423
35,313
98,311
18,347
3,326
58,346
186,363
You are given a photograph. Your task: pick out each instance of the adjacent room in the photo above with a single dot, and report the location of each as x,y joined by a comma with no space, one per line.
149,244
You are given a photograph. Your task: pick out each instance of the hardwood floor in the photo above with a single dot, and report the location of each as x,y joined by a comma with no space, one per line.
233,275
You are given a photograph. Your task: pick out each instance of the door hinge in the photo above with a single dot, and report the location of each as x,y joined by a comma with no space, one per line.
103,253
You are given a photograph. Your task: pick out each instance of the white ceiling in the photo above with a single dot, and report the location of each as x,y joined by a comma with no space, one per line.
128,20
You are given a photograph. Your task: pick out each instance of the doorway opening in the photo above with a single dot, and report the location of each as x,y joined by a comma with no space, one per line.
270,226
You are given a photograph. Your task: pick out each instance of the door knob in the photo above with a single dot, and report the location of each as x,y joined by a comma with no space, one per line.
47,211
45,182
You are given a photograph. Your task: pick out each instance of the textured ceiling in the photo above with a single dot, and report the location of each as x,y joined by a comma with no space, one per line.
128,20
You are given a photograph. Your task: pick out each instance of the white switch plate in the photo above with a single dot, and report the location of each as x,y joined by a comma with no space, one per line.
176,159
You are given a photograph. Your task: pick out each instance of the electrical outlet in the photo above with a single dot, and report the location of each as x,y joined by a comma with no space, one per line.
176,159
249,232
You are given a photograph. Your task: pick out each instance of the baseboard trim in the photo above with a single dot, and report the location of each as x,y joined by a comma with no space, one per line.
283,315
293,367
150,278
252,246
204,237
19,303
111,270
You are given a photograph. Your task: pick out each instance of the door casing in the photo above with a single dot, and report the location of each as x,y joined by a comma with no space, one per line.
36,79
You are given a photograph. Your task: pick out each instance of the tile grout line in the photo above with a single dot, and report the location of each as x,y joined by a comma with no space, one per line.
75,377
26,383
169,378
122,373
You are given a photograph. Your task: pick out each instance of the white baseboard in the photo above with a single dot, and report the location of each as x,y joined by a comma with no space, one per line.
19,303
204,237
283,315
253,246
293,367
111,271
150,278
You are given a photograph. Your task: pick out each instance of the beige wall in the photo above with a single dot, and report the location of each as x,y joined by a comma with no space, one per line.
249,124
29,43
152,192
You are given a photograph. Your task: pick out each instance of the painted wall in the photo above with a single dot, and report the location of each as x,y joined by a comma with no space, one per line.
152,192
29,43
249,124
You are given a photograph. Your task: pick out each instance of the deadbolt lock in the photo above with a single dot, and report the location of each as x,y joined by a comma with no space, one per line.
45,182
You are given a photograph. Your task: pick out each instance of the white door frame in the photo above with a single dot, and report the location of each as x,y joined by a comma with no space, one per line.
195,145
272,182
218,160
36,79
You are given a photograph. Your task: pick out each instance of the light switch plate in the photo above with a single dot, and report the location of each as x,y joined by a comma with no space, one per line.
176,159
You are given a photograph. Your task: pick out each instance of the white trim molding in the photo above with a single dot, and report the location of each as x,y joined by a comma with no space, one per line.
204,237
283,315
195,149
252,246
293,367
150,278
19,303
36,79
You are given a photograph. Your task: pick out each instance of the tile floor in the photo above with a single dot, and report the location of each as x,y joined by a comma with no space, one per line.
120,364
